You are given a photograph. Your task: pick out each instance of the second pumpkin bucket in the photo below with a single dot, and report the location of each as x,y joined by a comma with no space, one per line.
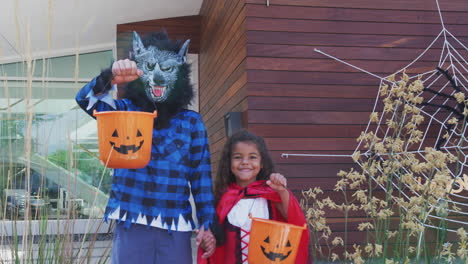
273,241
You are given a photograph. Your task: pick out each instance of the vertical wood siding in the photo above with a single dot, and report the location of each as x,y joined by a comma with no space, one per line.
222,59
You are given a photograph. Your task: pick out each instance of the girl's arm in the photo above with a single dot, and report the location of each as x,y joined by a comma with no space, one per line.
278,183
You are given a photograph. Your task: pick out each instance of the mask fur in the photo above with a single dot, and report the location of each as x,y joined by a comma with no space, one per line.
165,83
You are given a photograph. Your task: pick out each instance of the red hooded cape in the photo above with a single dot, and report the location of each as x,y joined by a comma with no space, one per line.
226,254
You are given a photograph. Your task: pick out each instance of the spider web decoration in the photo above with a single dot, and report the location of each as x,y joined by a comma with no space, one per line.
444,128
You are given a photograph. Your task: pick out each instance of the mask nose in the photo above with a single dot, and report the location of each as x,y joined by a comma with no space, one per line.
158,79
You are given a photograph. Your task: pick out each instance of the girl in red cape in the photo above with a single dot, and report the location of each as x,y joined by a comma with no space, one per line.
247,185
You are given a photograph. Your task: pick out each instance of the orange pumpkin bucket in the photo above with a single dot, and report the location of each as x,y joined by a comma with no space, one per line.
273,241
125,138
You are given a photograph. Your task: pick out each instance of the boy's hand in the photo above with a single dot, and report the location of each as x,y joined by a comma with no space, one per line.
125,71
277,182
206,240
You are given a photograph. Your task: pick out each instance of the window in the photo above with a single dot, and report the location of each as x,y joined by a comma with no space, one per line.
48,154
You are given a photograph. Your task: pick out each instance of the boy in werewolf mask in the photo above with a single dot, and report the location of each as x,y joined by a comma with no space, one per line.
151,204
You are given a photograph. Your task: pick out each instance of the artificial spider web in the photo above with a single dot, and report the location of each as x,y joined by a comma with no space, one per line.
445,126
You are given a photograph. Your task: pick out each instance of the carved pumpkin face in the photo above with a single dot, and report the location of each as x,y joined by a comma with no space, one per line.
275,252
125,138
120,142
273,241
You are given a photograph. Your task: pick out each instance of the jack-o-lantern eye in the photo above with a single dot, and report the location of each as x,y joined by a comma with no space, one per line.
267,240
115,134
138,133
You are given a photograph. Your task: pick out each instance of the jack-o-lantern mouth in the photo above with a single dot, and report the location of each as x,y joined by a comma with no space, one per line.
275,255
123,149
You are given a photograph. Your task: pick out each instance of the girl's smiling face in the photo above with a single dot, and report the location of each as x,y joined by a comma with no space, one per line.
246,163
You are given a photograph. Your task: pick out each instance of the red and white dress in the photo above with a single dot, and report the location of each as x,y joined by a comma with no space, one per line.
233,213
239,218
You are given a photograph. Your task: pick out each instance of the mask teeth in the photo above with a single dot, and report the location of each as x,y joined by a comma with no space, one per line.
158,91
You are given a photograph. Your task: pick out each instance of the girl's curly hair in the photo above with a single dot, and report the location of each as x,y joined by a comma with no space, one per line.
224,175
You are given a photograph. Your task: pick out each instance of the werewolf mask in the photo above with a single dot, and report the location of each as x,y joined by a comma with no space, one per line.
160,68
165,84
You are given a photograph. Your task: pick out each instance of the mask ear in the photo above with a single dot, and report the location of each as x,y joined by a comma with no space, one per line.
138,47
184,51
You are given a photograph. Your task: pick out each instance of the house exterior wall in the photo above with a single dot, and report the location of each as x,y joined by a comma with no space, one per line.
303,102
260,60
222,75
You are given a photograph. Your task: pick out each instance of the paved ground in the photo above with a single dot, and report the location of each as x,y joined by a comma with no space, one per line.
100,248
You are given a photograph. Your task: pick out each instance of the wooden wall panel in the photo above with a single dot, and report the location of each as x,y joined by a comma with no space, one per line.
178,28
350,53
222,62
351,27
353,11
322,65
349,40
419,5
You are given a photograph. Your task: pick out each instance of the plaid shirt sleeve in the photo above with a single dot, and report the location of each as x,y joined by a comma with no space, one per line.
99,106
200,176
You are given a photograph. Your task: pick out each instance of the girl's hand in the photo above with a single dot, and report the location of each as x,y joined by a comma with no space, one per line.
208,244
206,240
277,182
125,71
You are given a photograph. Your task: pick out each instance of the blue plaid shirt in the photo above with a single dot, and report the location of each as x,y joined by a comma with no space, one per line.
179,156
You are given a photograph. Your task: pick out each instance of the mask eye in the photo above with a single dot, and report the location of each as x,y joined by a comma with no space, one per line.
166,69
150,66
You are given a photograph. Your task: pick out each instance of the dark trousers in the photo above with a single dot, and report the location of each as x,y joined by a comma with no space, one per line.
149,245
